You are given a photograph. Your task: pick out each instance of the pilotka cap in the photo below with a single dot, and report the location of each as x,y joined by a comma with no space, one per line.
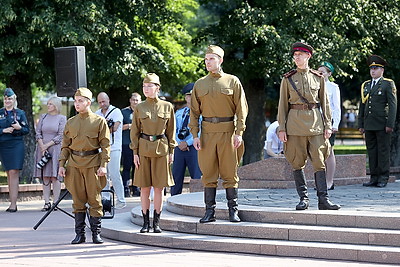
9,92
214,49
84,92
152,78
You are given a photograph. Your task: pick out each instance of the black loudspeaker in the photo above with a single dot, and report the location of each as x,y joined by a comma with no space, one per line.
70,65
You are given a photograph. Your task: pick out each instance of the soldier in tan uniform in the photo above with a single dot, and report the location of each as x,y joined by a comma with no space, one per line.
219,97
153,143
304,118
85,151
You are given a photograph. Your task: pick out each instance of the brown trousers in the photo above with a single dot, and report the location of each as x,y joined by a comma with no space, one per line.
218,158
85,187
298,148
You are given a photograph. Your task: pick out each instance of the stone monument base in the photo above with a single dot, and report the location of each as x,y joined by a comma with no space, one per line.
277,173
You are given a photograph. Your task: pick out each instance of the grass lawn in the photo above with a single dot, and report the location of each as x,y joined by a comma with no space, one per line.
346,149
3,178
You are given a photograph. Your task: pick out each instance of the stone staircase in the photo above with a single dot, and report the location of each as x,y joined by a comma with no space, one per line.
347,234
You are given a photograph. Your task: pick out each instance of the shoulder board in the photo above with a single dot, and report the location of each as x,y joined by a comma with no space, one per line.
316,73
363,84
387,79
290,73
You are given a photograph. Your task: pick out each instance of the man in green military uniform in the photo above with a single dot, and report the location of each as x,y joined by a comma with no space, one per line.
220,99
85,151
304,118
376,119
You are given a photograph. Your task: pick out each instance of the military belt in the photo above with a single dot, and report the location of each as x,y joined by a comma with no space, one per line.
84,153
305,106
151,138
217,119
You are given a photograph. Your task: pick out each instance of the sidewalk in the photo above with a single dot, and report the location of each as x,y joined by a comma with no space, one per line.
49,245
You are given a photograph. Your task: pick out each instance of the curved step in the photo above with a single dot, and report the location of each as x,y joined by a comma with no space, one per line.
291,232
121,228
192,205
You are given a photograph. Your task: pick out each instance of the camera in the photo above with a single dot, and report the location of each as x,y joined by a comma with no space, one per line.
110,123
43,161
183,133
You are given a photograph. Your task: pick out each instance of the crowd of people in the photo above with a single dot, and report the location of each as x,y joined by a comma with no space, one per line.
155,144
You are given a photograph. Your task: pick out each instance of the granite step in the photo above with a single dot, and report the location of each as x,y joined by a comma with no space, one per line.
121,228
192,205
290,232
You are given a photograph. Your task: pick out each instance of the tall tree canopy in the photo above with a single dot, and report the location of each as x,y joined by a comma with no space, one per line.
124,39
257,36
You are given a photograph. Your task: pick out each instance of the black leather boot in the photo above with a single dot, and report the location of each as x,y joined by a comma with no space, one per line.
232,196
301,187
146,222
156,222
209,199
95,226
322,192
79,228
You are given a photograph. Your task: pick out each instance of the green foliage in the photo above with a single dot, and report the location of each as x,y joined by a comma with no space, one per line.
123,39
257,36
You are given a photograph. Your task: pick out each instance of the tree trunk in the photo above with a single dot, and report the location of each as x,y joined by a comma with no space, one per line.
21,85
119,97
254,136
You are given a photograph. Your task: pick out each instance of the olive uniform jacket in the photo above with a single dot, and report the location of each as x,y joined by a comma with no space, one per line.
311,85
378,105
85,132
218,95
153,117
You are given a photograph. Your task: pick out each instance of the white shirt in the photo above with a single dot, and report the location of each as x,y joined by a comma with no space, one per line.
276,144
116,116
334,101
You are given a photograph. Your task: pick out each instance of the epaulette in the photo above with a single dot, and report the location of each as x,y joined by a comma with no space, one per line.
387,79
290,73
316,73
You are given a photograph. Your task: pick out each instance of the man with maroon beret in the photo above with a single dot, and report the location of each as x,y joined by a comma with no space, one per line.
304,118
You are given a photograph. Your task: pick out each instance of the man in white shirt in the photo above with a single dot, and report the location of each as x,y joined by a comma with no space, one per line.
326,69
273,146
114,120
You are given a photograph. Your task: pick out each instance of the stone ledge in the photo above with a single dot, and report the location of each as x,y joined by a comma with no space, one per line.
26,192
277,173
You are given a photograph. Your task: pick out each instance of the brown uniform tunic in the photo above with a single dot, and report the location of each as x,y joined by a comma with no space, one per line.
153,117
85,132
218,95
305,128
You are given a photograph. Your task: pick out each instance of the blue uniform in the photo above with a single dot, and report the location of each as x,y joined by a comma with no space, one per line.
12,149
183,159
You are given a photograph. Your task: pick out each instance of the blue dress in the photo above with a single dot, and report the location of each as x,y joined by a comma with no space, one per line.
12,150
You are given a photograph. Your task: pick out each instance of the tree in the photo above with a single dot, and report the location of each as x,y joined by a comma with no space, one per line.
257,35
123,39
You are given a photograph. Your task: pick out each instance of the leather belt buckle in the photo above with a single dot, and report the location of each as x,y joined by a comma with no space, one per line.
214,120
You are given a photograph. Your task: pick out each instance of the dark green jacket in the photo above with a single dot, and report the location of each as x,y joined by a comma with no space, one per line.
378,106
